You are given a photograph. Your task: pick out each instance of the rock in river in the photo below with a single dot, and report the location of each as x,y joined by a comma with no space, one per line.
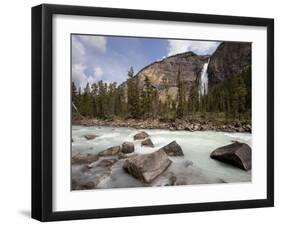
128,147
172,149
147,167
147,142
110,151
90,136
107,162
84,158
237,154
141,135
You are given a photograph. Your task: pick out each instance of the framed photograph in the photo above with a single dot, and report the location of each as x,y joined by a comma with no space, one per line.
146,112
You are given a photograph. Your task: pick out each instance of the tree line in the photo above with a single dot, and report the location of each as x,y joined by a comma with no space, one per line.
230,99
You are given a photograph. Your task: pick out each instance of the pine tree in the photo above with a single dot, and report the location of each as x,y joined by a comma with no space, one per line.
94,93
193,99
180,97
133,95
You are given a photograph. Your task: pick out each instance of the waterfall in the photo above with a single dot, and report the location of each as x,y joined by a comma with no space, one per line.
203,81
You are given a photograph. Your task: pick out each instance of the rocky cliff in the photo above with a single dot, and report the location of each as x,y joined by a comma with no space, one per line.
164,73
229,59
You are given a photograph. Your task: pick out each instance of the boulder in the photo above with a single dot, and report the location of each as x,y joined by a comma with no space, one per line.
121,155
141,135
127,147
147,167
147,142
110,151
90,136
84,158
237,154
107,162
77,185
172,149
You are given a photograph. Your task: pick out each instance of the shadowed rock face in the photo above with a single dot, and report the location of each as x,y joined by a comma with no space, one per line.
237,154
229,59
172,149
147,142
164,73
90,136
84,158
127,147
141,135
110,151
147,167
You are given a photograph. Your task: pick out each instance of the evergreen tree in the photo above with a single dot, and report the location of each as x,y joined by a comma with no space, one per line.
132,95
180,97
193,99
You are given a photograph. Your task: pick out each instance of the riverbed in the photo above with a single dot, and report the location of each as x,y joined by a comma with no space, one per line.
196,167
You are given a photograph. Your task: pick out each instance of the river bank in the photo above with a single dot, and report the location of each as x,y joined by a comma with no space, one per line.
187,125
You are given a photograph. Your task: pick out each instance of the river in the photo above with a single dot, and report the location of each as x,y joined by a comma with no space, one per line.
196,167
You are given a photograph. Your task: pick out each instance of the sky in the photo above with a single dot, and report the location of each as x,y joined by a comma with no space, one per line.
109,58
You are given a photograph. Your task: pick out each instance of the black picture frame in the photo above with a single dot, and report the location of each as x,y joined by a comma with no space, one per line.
42,111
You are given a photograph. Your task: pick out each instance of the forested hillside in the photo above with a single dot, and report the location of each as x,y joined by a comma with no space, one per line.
169,90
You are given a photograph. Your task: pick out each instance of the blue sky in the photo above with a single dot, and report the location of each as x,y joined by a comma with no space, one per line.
108,58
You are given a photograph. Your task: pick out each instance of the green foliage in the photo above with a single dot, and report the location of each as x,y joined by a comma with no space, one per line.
133,95
232,97
148,100
228,100
181,102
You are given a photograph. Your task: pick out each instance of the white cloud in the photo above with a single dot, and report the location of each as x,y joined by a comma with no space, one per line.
98,72
80,44
81,79
96,42
78,51
198,47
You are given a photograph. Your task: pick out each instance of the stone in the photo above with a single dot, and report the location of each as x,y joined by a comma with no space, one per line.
107,162
127,147
173,149
141,135
110,151
90,136
121,155
237,154
147,142
147,167
84,158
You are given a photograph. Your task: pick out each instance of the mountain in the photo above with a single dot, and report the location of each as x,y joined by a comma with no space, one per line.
165,73
229,59
186,84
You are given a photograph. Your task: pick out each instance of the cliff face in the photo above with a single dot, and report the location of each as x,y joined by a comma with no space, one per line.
165,73
229,59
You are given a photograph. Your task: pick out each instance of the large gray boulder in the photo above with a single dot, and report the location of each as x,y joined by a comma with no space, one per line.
147,142
237,154
110,151
127,147
147,167
141,135
172,149
84,158
90,136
